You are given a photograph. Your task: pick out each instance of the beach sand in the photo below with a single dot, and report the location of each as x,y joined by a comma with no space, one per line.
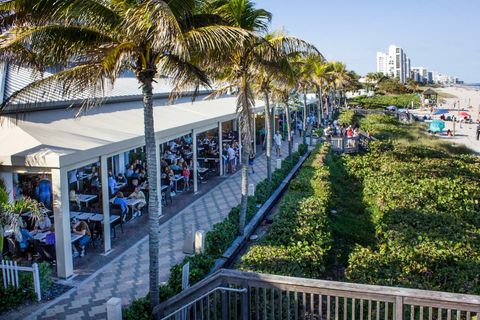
468,100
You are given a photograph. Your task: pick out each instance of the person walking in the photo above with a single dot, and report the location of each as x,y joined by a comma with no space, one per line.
251,160
277,138
478,131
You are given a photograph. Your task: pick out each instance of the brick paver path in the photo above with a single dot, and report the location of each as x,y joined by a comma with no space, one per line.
127,276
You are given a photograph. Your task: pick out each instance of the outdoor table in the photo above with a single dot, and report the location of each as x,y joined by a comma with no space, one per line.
133,202
120,185
85,198
177,178
40,236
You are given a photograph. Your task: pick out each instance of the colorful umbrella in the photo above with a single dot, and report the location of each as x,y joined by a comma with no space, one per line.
437,126
464,114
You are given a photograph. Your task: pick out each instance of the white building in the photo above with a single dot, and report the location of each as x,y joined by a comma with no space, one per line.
420,74
394,63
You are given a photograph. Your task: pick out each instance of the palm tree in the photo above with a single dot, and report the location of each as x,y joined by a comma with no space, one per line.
267,72
319,75
95,41
235,72
375,78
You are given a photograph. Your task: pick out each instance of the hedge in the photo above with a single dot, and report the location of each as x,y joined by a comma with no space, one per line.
298,240
217,241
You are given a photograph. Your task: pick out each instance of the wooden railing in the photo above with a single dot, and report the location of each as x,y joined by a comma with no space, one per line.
232,294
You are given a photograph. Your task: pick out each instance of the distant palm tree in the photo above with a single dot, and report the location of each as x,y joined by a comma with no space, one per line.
375,78
235,72
95,41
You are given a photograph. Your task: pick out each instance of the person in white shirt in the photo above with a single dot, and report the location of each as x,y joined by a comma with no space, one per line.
43,223
277,139
231,159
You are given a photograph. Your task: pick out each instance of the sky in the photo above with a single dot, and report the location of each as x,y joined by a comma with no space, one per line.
440,35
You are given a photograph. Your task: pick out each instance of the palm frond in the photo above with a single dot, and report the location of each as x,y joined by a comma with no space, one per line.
183,75
49,45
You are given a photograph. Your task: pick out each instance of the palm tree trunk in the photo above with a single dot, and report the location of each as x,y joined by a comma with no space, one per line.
244,122
289,135
154,209
304,117
268,136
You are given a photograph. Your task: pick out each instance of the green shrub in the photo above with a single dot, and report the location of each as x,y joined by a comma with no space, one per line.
12,297
302,149
298,240
382,101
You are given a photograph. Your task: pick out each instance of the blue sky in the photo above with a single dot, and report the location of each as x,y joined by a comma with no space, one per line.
440,35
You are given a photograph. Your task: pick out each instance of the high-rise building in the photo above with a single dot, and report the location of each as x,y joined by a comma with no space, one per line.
420,74
393,63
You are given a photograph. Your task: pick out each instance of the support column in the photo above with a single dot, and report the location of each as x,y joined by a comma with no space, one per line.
7,178
107,240
220,148
195,172
63,233
121,163
255,133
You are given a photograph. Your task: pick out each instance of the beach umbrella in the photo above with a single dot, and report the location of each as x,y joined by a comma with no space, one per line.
440,111
391,108
437,126
464,114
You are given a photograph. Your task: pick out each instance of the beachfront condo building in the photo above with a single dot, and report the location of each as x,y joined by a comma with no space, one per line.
394,63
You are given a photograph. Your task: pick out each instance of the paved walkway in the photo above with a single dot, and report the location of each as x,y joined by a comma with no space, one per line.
127,276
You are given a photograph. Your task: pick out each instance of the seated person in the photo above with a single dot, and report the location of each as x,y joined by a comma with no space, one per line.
138,194
121,178
81,228
120,200
129,171
42,224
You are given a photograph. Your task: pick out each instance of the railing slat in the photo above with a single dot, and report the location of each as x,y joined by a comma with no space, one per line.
421,312
215,306
430,313
328,308
458,315
320,303
311,306
468,315
412,312
257,303
3,274
353,309
336,307
386,311
369,309
288,305
439,315
345,308
295,306
208,307
449,314
378,311
361,308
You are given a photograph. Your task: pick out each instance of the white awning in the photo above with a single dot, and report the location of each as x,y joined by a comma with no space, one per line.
55,138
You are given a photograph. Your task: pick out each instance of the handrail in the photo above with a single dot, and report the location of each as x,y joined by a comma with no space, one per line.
397,296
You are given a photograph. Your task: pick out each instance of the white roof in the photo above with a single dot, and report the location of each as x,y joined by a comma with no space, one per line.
55,138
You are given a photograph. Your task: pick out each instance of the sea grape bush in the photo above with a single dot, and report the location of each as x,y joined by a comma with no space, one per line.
298,240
